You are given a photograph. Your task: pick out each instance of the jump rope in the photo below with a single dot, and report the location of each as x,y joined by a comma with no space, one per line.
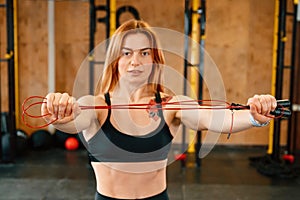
281,111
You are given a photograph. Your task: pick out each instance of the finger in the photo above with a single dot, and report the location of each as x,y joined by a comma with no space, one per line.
265,104
64,120
255,105
44,109
55,103
69,108
259,104
62,105
269,104
47,116
273,102
50,103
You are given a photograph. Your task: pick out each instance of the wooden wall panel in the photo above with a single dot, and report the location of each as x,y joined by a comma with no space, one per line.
33,51
72,41
3,65
239,39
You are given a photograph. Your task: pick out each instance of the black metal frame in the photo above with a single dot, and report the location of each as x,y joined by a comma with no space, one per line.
187,27
291,142
93,24
11,83
282,18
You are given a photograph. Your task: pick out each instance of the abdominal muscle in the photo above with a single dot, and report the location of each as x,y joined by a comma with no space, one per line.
130,180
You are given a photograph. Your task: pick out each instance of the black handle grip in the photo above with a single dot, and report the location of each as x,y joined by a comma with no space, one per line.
281,112
280,109
284,103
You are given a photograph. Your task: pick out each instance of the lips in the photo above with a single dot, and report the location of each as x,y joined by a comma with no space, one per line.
135,72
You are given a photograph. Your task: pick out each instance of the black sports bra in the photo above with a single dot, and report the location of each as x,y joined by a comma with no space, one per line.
111,145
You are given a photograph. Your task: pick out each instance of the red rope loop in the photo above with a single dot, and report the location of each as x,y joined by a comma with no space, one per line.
31,105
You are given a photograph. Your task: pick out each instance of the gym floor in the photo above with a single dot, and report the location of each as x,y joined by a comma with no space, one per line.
226,173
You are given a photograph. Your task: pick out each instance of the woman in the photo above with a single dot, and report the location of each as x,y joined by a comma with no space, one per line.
129,147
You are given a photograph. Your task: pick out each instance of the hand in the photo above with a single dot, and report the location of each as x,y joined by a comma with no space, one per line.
261,106
60,108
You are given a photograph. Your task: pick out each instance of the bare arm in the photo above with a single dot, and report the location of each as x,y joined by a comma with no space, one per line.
64,108
221,120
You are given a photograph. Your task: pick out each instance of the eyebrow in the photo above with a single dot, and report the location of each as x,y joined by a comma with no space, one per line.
142,49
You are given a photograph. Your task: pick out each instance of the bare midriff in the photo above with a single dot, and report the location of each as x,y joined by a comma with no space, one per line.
130,180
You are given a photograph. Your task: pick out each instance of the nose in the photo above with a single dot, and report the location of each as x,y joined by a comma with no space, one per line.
135,60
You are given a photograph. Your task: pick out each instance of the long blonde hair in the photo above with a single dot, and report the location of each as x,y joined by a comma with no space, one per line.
110,77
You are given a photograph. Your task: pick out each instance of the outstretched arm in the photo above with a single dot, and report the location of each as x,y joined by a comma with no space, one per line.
220,120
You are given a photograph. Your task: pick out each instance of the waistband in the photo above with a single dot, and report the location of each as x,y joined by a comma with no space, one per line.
161,196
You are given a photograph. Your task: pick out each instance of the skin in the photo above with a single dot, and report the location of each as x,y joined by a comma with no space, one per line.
128,180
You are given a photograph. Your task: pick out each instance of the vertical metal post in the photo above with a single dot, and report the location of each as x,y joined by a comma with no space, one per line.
202,22
291,135
0,101
186,43
296,97
107,18
92,45
11,80
93,21
279,75
185,68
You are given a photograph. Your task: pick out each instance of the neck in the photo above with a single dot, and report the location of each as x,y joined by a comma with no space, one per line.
132,93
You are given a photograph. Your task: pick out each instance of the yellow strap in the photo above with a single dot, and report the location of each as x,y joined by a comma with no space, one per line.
113,17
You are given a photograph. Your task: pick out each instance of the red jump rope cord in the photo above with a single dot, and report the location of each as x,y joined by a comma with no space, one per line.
189,105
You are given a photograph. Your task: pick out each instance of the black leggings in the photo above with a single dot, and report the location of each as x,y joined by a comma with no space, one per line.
160,196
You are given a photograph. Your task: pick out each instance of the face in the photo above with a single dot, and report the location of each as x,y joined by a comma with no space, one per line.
135,63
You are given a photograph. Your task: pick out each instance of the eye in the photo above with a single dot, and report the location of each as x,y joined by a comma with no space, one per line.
145,53
126,53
